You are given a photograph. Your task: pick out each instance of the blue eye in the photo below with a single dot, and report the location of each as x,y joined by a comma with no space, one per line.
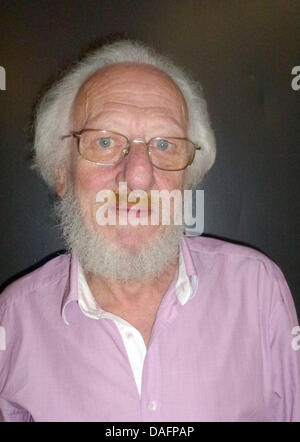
162,144
105,142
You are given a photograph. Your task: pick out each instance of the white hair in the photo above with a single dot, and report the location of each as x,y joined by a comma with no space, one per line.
54,111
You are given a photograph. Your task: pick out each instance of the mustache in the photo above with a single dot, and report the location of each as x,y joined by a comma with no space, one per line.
127,199
132,198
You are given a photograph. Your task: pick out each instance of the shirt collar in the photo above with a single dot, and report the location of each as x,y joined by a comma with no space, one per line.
77,288
71,289
187,279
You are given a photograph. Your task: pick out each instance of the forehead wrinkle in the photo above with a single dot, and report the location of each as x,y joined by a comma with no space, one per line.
119,117
122,106
118,122
131,98
104,88
143,75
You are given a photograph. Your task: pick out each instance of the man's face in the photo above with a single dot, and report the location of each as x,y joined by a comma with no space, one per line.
140,102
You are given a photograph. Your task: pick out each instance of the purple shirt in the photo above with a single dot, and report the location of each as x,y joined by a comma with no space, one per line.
228,354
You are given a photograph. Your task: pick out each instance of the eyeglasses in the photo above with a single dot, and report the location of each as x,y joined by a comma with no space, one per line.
109,148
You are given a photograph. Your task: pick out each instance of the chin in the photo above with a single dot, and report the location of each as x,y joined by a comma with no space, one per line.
131,238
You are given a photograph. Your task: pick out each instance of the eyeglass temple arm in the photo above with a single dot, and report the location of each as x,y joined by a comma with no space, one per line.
72,134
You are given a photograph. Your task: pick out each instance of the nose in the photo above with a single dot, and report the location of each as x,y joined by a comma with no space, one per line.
137,168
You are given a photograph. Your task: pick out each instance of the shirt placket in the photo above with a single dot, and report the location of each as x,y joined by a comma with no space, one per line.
151,402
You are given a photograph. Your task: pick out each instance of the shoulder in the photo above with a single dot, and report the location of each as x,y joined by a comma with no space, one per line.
227,254
36,283
242,272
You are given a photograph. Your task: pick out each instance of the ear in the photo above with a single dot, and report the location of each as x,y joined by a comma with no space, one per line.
61,180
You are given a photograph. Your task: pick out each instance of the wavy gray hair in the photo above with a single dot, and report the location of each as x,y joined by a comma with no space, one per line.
54,110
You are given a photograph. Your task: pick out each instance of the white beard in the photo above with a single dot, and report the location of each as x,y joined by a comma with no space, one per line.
99,256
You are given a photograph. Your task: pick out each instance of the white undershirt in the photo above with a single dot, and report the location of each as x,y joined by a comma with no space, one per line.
132,338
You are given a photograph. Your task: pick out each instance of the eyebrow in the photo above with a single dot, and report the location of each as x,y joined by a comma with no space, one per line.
105,122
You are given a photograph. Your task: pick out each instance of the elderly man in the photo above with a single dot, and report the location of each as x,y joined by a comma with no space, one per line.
139,322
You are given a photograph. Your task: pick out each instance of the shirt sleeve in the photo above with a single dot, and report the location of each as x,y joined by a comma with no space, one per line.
284,334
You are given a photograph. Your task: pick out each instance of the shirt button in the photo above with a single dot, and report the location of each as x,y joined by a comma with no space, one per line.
129,335
152,405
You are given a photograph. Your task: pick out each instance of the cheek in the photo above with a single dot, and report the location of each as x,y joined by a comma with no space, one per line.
170,180
90,179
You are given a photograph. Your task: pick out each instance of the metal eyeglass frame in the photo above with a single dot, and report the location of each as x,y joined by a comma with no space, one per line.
126,149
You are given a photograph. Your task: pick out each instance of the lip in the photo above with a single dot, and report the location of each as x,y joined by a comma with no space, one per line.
123,199
134,210
124,208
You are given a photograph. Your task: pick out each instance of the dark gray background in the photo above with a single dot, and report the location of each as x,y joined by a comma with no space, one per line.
242,52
